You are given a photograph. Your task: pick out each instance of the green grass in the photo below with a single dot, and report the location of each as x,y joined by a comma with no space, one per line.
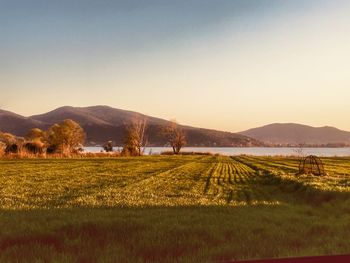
171,209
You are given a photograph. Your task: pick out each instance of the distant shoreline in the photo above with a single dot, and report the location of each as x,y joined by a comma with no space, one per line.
253,151
156,146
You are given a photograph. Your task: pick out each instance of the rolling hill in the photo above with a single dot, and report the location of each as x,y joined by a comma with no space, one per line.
294,134
17,124
103,123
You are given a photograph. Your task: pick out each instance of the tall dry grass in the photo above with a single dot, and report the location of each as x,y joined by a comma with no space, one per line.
29,155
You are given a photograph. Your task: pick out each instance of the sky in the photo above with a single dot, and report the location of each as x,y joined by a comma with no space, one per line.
221,64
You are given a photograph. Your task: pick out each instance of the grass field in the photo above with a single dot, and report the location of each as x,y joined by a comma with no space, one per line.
171,209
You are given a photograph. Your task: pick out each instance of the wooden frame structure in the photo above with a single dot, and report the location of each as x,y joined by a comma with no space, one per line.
311,165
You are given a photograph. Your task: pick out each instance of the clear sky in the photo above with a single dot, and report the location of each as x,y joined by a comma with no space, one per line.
222,64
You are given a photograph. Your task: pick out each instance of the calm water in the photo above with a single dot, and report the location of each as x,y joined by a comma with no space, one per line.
259,151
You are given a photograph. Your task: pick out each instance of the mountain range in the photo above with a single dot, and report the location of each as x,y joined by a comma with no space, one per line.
103,123
291,134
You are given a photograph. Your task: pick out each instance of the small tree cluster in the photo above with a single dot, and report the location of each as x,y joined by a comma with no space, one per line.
36,141
67,138
11,143
64,138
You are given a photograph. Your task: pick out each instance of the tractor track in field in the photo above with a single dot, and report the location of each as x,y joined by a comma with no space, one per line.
233,182
265,164
276,179
97,195
177,186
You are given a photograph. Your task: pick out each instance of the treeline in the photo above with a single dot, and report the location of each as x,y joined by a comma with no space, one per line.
67,139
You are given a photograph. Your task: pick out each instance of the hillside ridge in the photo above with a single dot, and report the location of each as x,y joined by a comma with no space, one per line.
102,123
296,134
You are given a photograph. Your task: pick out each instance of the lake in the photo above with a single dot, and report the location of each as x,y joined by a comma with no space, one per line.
258,151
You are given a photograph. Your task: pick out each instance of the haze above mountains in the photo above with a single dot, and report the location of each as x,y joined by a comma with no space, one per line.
103,123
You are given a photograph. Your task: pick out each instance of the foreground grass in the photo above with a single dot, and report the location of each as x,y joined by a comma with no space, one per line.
170,209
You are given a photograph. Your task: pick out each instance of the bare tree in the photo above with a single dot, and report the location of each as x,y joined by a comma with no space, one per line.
135,137
299,150
176,136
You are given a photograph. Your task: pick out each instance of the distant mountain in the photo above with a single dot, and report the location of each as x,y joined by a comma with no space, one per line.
293,134
17,124
94,115
103,123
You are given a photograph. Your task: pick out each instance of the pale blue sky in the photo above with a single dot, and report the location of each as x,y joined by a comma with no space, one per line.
228,65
